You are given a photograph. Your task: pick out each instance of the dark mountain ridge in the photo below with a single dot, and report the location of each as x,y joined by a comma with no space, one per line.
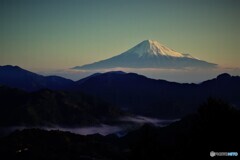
159,98
131,92
53,108
14,76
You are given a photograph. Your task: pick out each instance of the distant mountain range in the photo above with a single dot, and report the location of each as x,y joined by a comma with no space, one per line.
17,77
149,54
131,92
159,98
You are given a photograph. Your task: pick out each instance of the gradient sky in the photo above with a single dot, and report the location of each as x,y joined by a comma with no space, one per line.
54,34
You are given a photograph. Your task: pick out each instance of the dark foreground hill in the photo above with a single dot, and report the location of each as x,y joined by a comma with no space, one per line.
46,107
214,128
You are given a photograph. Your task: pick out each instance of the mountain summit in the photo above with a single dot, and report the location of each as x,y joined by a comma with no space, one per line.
153,48
149,54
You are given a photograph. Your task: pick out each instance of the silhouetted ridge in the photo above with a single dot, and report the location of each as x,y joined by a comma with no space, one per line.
50,108
158,98
131,92
14,76
224,76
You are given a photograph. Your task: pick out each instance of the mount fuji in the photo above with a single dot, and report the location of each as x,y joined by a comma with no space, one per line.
149,54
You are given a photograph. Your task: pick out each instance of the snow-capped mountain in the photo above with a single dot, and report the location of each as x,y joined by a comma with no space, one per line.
150,48
149,54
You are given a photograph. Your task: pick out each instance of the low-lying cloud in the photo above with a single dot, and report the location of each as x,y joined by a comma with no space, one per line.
183,75
130,123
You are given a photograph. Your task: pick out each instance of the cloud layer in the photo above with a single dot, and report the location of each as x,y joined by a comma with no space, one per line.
187,75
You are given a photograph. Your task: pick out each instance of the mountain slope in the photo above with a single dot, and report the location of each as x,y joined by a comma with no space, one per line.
158,98
149,54
46,107
17,77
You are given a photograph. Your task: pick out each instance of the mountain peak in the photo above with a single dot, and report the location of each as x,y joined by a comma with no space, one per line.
149,41
224,76
149,54
10,67
153,48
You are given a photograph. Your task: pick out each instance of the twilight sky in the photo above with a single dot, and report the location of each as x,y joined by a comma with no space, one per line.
57,34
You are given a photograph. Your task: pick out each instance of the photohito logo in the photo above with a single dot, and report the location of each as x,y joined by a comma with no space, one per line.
213,154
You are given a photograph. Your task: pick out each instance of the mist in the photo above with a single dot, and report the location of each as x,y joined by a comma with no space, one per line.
184,75
128,124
